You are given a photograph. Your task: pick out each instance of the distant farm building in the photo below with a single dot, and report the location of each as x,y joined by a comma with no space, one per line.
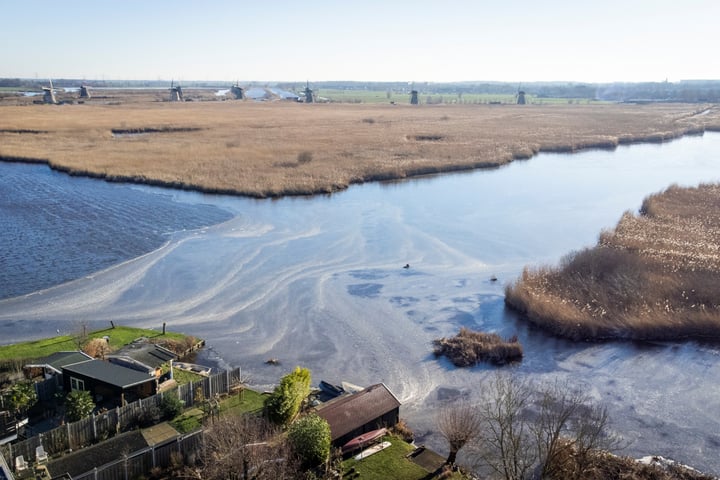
355,414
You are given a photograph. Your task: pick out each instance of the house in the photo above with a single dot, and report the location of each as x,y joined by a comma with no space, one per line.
352,415
52,365
108,382
50,369
142,356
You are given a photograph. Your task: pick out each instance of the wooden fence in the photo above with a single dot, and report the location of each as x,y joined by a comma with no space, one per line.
141,462
98,427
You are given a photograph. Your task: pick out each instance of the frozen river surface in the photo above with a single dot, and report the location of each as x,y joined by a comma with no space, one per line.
319,282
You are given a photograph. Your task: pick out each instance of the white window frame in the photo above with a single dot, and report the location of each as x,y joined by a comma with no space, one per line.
77,384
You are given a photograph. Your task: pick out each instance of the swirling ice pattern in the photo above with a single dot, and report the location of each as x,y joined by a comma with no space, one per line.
319,283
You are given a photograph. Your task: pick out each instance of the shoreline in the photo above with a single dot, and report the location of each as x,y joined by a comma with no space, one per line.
645,280
277,150
610,145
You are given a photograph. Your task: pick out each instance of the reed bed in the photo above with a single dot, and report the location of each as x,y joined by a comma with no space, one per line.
468,348
654,277
284,148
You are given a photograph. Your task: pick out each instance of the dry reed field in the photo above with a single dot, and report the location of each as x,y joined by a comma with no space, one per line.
655,276
266,149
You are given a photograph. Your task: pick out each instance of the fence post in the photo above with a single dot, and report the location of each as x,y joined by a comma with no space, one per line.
95,435
70,439
117,420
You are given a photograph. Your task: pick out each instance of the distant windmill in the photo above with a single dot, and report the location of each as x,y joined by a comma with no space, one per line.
413,97
520,96
237,91
84,91
309,98
413,94
49,94
176,94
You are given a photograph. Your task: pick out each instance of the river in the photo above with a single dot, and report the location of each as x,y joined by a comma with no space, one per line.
318,281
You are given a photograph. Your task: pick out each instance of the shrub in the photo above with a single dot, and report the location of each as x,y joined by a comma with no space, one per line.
310,438
149,416
97,348
285,401
78,405
304,157
171,406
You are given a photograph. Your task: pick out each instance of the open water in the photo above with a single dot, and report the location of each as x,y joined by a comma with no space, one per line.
318,281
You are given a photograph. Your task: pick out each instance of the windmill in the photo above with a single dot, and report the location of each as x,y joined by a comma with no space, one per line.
413,95
176,94
49,94
309,98
238,91
520,96
84,91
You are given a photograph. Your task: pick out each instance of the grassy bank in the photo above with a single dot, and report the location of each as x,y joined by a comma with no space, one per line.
272,149
118,337
654,276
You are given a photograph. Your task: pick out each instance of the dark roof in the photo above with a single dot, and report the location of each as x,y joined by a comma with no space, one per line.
60,359
108,373
146,353
345,414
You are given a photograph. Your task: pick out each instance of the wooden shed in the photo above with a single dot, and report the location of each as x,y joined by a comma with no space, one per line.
352,415
109,383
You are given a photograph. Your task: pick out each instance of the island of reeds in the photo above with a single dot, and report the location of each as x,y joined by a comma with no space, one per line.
468,348
654,277
269,149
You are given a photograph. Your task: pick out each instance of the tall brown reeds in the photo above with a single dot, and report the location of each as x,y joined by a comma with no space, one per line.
246,147
655,276
469,348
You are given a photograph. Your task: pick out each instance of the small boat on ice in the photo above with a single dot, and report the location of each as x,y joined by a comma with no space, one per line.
330,389
364,440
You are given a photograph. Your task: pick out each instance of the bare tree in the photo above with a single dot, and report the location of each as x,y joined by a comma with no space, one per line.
458,424
590,434
506,446
558,405
551,431
243,447
80,333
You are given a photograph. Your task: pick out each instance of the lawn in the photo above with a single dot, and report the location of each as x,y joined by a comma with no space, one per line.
389,463
119,336
250,402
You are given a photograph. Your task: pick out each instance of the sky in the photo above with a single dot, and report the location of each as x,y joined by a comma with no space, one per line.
371,40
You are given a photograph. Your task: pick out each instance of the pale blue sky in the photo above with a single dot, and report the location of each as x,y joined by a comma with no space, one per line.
450,40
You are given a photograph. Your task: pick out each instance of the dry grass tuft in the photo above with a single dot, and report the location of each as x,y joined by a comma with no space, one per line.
654,276
601,465
243,147
469,348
